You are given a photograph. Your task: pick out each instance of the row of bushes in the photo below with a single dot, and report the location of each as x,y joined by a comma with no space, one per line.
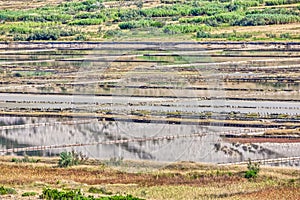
235,35
87,22
236,19
77,6
196,8
49,194
32,15
267,19
184,28
279,2
203,34
140,24
174,10
287,11
215,20
45,34
64,12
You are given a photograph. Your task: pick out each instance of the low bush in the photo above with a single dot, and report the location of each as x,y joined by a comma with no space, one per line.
112,33
80,37
230,36
279,2
285,36
4,190
28,194
99,191
54,194
140,24
72,158
266,19
26,159
86,22
253,170
183,28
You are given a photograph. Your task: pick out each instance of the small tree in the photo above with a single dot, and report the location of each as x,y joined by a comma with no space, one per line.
253,169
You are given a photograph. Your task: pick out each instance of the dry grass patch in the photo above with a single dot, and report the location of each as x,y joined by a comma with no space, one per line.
261,31
183,180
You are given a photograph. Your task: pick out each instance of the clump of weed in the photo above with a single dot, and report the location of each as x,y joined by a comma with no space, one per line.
4,190
72,158
114,161
253,170
50,194
28,194
26,159
101,190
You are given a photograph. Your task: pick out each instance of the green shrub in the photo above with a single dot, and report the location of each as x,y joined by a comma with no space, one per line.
203,34
285,36
140,24
19,37
80,37
208,9
4,191
253,170
99,191
26,159
54,194
72,158
271,35
279,2
112,33
27,194
183,28
266,19
44,34
230,36
86,22
166,11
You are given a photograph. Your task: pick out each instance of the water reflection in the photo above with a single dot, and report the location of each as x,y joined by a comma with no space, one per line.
208,148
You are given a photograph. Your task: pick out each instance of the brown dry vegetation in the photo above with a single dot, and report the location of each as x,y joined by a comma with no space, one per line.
182,180
26,174
274,193
283,132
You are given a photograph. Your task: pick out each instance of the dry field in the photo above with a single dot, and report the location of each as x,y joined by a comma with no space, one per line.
261,31
177,181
